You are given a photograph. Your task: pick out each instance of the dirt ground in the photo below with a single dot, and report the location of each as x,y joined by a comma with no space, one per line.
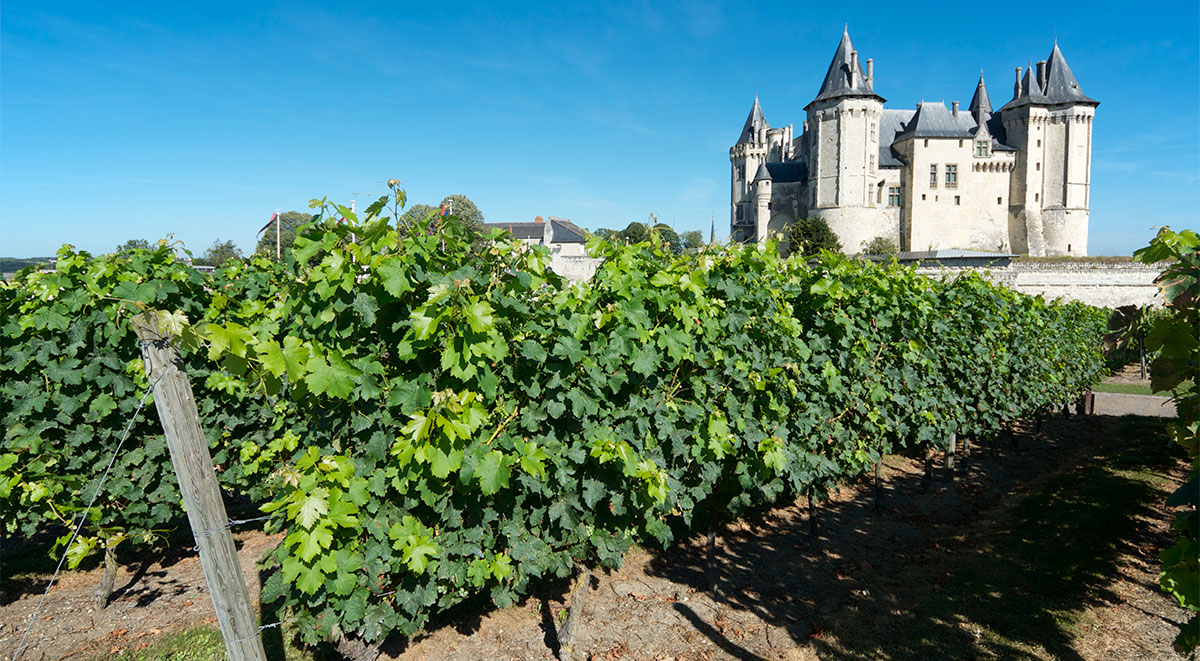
783,594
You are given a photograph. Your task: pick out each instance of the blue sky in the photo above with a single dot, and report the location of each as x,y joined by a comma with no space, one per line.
200,119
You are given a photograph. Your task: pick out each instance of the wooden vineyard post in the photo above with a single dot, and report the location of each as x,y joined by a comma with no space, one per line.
198,484
950,452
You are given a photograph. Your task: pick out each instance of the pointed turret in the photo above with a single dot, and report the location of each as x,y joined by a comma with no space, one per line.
762,173
1061,86
980,103
844,77
754,122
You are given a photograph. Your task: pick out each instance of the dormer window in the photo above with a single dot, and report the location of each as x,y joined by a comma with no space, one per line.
982,148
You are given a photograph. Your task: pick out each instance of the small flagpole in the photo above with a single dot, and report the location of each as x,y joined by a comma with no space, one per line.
277,251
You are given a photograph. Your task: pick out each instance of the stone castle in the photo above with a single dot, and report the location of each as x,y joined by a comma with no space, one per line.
1014,180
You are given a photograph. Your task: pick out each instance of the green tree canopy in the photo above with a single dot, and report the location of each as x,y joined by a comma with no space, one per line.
809,236
692,240
669,237
219,253
289,222
635,232
880,245
131,245
462,206
417,212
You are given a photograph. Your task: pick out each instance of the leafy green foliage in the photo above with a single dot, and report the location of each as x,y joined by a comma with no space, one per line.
71,377
431,415
1177,367
289,222
502,426
809,236
219,253
880,245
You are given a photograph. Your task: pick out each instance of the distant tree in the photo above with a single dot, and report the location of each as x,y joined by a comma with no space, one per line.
607,234
219,253
669,237
131,245
464,208
635,232
692,240
809,236
289,222
880,245
417,212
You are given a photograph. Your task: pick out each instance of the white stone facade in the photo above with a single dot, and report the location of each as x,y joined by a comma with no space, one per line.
1012,180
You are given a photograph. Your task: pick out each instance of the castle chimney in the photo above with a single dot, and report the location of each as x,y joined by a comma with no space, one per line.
538,219
955,106
1017,85
1041,75
870,73
853,68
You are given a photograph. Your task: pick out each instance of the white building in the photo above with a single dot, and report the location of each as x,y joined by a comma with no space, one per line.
1012,180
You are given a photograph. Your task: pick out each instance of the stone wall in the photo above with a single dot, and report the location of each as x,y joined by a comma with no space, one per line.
574,267
1094,283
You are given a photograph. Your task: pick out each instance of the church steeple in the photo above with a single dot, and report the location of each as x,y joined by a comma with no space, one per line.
754,122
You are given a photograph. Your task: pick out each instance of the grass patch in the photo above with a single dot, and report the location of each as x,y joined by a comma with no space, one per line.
1124,389
205,644
1021,587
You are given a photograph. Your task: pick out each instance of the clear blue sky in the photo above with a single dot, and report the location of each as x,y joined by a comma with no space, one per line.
120,120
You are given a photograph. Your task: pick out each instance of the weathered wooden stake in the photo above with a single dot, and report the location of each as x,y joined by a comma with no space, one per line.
710,559
201,496
570,628
950,450
878,486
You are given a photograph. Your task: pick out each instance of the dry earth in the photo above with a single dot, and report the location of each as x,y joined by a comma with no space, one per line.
782,596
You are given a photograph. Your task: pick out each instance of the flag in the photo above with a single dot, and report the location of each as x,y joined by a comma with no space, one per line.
274,217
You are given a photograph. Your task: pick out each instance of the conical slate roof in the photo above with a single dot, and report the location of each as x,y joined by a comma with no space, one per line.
1061,86
762,173
753,122
980,101
839,80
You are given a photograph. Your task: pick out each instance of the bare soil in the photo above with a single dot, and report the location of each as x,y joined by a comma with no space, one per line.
784,594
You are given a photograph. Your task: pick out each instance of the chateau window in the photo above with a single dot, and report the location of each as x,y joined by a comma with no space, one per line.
872,164
872,132
893,196
1039,143
957,200
922,197
741,213
933,176
998,201
982,148
951,175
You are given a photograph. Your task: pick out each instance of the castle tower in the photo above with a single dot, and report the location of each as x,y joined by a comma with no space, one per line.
1049,121
841,141
762,202
746,157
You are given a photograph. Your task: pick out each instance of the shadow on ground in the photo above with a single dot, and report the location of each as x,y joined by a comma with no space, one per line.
989,565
